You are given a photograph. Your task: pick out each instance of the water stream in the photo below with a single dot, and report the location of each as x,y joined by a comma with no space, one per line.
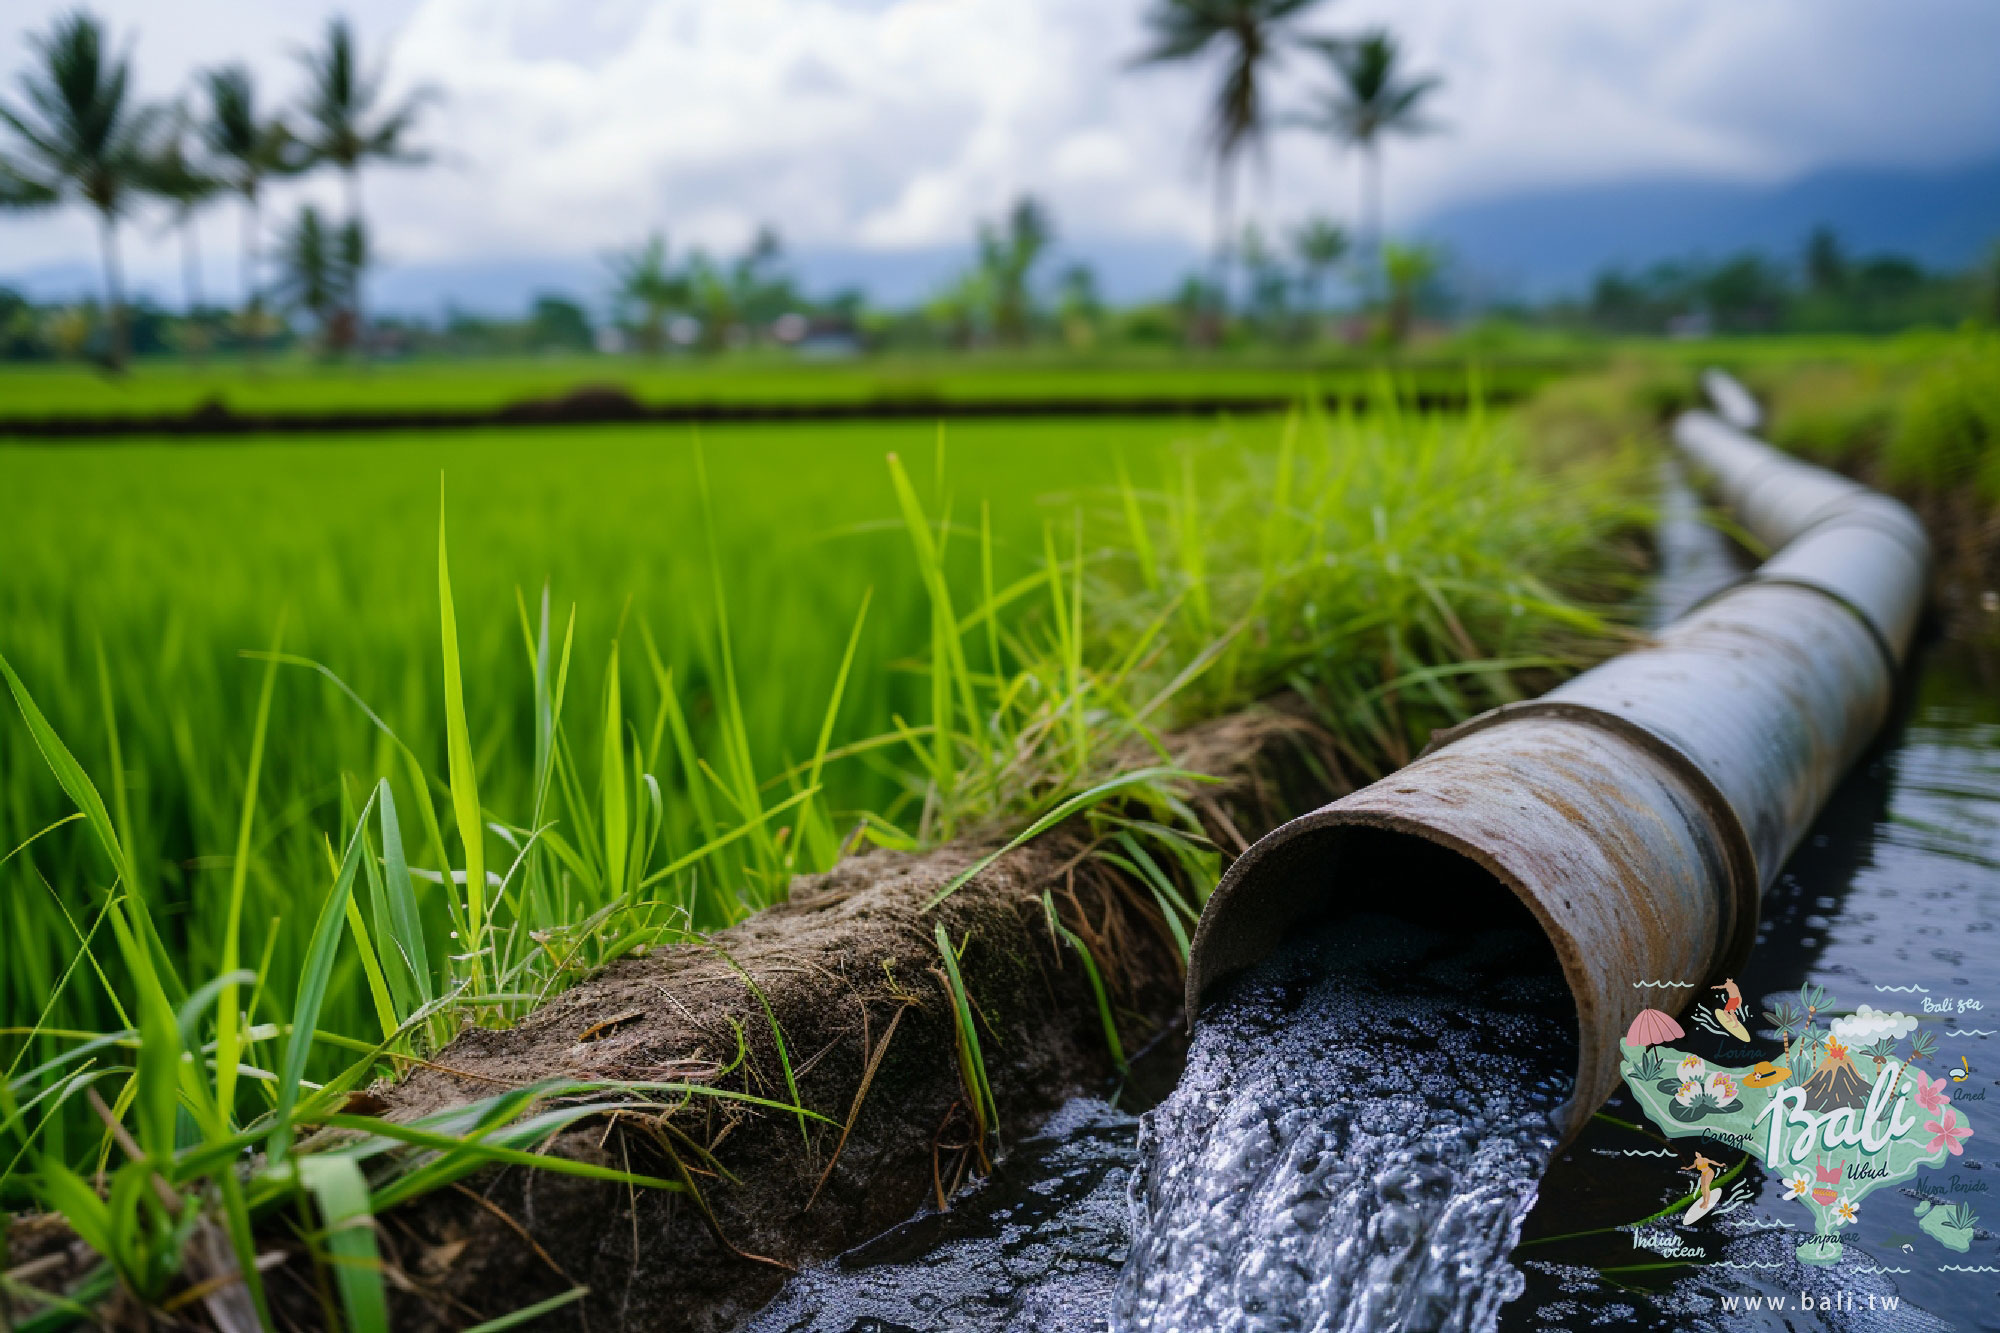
1356,1139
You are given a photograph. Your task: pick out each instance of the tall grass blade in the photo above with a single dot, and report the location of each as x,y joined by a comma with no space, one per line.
228,1030
1081,801
312,990
616,831
406,926
464,782
1063,934
341,1192
527,1314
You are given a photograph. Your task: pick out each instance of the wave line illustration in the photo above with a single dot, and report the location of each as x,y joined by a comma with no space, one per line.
1911,989
1683,985
1968,1032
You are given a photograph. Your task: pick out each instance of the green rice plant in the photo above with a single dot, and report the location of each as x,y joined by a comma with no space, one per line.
972,1074
173,1184
1947,434
1062,934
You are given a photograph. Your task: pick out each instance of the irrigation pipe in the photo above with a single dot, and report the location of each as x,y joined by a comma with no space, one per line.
1641,810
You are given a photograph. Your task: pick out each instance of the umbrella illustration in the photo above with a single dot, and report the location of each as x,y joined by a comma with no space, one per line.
1653,1026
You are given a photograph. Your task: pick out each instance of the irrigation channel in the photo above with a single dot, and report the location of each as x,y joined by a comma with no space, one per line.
1369,1131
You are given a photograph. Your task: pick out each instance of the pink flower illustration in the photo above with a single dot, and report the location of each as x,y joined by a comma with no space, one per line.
1949,1133
1930,1093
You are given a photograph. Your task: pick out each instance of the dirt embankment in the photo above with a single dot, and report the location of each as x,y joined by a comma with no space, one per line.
852,975
1966,577
611,404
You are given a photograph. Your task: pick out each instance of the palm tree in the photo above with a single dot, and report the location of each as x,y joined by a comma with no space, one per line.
1264,268
1407,268
316,273
249,151
173,173
640,278
88,137
1318,245
1007,254
345,128
1370,99
1249,32
20,190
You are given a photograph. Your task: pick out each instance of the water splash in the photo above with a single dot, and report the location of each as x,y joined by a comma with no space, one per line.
1356,1140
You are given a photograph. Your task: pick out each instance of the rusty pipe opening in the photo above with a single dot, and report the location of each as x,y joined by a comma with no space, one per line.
1637,812
1586,830
1334,864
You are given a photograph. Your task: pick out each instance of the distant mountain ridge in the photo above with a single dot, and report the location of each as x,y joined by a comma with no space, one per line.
1527,245
1543,242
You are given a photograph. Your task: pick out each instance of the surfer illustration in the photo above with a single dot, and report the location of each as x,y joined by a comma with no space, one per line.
1704,1196
1728,1014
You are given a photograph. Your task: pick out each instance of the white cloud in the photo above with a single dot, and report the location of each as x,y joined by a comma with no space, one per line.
566,128
1868,1025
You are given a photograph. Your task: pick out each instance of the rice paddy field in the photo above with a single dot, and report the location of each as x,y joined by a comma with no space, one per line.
321,747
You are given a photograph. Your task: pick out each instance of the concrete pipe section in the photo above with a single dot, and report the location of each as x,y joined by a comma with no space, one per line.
1640,810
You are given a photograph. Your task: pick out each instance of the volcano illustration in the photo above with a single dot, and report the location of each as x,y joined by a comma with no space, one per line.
1836,1082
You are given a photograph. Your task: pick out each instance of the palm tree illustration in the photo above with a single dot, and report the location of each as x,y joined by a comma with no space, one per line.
1249,33
1812,999
87,138
1369,99
249,150
1787,1018
346,125
1923,1045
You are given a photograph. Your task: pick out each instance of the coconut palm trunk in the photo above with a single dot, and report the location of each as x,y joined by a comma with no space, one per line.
190,264
114,290
1371,213
253,291
1225,237
360,273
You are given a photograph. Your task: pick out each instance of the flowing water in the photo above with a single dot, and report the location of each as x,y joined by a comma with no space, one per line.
1356,1139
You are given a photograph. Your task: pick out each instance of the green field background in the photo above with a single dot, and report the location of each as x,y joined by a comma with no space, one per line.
176,557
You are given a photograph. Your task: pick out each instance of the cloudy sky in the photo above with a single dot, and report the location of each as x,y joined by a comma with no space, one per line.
564,128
